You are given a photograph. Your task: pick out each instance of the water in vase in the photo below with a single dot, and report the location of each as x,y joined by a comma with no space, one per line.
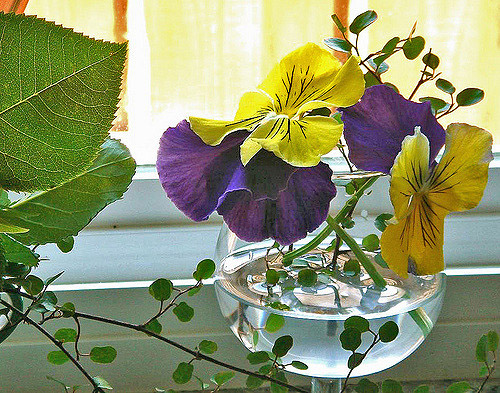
314,316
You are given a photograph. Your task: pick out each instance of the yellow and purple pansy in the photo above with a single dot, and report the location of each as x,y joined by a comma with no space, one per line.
422,191
262,171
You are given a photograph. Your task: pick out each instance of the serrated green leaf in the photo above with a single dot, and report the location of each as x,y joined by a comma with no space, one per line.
413,47
222,377
492,340
366,386
161,289
57,357
459,387
274,323
482,349
16,252
183,373
391,386
64,210
258,357
207,346
299,365
183,312
358,323
390,45
66,244
338,44
103,355
338,23
362,21
154,326
102,383
469,96
65,335
282,345
254,382
446,86
204,270
59,95
388,331
371,242
431,60
307,277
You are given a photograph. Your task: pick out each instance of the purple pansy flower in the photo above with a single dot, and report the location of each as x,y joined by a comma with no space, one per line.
374,128
267,198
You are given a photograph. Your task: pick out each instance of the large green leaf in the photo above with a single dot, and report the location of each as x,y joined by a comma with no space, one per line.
58,96
64,210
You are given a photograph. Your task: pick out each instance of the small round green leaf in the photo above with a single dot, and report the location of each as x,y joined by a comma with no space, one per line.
161,289
436,103
254,382
357,322
307,277
222,377
282,345
274,323
378,64
66,244
33,285
350,339
57,357
366,386
482,349
204,270
413,47
352,268
469,96
492,341
193,291
258,357
355,360
391,386
338,44
183,373
371,242
299,365
183,312
431,60
275,388
380,221
207,346
459,387
362,21
154,326
65,335
388,331
272,277
370,80
422,389
390,45
103,355
279,306
68,310
446,86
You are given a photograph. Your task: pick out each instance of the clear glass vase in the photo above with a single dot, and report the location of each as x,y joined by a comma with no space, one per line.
314,316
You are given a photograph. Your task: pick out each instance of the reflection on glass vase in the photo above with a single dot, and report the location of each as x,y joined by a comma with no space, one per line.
314,315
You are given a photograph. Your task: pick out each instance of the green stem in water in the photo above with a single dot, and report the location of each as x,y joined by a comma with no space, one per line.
378,280
341,215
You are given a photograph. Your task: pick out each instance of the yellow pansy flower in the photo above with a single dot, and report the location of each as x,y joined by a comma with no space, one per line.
306,79
423,196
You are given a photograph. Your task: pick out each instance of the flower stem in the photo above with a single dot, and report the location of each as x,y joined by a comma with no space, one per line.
354,246
341,215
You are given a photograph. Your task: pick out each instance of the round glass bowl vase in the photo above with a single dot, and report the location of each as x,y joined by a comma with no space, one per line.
314,316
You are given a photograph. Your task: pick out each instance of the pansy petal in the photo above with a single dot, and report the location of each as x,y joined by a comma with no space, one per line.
298,142
312,74
415,244
458,181
375,127
193,174
253,108
409,172
299,209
